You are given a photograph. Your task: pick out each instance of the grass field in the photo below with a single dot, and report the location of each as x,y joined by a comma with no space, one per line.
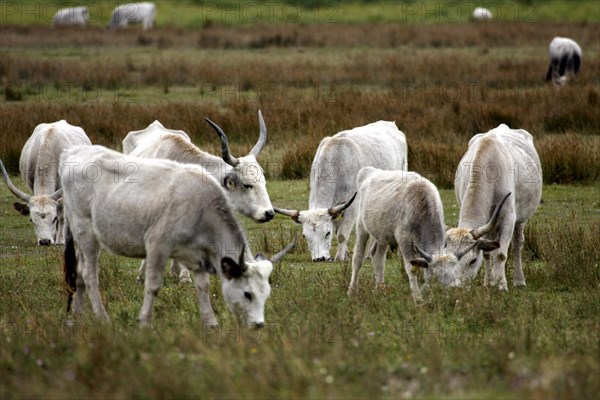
538,342
439,77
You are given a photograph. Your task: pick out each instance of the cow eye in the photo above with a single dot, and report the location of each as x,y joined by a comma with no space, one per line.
248,295
327,234
472,261
248,186
55,220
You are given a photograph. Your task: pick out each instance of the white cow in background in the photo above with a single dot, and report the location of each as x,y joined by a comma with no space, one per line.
164,210
333,182
498,162
39,165
71,16
133,13
482,14
565,60
404,210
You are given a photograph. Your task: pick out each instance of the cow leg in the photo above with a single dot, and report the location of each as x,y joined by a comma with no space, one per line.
60,233
89,253
343,234
155,268
180,271
141,272
79,296
362,238
487,259
379,263
411,271
518,241
202,281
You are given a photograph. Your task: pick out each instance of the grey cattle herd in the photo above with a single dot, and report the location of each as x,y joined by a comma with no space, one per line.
164,198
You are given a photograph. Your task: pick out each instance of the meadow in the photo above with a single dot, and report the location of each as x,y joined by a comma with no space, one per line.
442,79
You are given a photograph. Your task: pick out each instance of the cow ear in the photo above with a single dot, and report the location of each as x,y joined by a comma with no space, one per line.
487,245
22,208
419,262
231,269
229,182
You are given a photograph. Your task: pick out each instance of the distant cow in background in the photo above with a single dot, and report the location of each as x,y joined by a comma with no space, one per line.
565,60
133,13
77,16
482,14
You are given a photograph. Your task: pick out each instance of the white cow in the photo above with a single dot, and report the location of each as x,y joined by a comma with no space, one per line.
565,60
498,162
133,13
243,178
404,210
71,16
39,170
164,210
333,182
482,14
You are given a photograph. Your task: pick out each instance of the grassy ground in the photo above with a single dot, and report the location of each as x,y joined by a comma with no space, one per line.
440,80
538,342
198,14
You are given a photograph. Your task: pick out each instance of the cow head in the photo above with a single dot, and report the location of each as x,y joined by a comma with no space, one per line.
44,211
246,288
317,227
245,181
471,246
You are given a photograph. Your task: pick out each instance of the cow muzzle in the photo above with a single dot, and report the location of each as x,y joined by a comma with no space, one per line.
44,242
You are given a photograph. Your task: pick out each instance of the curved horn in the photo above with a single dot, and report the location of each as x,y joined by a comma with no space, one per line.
277,257
290,213
337,209
426,256
227,157
460,254
482,230
262,139
16,191
57,195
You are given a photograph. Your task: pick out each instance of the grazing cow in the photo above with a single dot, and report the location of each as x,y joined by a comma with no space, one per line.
39,165
482,14
404,210
71,16
498,162
164,210
565,60
333,182
133,13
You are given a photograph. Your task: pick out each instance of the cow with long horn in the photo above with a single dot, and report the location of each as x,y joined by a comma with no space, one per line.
242,178
500,161
333,183
404,210
39,164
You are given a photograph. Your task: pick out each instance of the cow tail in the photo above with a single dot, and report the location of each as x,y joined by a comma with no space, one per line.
69,263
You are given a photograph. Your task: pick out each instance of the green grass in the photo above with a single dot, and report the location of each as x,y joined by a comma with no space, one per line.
199,14
537,342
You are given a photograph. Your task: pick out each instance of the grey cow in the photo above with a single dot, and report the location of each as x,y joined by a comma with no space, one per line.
498,162
333,182
39,165
404,210
163,210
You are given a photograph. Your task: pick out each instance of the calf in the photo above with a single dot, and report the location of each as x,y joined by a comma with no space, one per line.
404,210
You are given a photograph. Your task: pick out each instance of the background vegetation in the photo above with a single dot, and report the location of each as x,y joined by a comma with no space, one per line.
314,69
